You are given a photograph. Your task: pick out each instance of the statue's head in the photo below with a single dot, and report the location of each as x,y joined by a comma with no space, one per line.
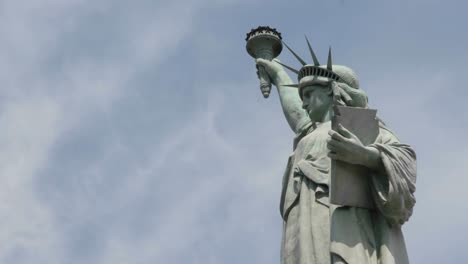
318,95
315,84
317,98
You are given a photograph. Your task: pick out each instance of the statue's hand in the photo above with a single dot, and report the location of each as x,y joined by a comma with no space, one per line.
347,147
274,70
351,96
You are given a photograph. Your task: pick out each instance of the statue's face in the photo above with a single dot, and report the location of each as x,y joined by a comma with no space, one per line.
316,100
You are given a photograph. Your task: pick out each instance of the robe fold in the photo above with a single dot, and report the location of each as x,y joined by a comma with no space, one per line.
317,232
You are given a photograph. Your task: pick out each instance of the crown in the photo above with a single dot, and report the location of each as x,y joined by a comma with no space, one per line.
311,72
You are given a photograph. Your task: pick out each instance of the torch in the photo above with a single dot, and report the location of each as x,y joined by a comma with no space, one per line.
265,43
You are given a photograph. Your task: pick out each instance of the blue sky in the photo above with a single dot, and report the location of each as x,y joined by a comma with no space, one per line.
135,132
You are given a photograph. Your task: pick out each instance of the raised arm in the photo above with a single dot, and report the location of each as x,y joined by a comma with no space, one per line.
291,102
289,97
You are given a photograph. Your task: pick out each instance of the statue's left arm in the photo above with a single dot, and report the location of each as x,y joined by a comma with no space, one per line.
393,186
393,167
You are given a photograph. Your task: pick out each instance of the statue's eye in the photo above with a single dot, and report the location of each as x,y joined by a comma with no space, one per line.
307,94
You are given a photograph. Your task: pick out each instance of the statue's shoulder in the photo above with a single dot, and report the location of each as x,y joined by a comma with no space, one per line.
313,132
303,131
386,135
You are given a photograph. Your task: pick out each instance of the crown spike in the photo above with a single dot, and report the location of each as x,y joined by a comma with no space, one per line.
295,55
316,62
329,63
288,67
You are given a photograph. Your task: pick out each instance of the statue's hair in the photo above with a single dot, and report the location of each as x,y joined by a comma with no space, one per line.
347,75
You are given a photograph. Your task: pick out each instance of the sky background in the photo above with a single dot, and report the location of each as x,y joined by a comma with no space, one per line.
135,131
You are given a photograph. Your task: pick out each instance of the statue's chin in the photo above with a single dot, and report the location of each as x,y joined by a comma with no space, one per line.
320,115
321,119
313,118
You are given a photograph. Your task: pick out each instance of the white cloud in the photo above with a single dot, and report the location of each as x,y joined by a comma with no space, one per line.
41,102
202,190
48,91
29,128
209,192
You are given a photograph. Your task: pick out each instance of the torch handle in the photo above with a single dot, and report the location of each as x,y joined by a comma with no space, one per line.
265,82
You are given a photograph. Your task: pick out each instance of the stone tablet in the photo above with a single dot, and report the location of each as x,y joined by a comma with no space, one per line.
349,183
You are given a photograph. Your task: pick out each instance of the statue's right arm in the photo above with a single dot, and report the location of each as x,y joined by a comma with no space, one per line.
291,103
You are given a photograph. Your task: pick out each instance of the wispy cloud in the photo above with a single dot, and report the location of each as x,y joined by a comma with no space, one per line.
132,134
48,91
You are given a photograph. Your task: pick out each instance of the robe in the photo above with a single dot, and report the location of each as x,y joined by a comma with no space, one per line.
317,232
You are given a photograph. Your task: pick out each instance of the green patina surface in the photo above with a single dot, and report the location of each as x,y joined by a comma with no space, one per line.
316,231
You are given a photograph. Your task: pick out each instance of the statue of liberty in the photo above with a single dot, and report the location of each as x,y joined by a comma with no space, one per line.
316,231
